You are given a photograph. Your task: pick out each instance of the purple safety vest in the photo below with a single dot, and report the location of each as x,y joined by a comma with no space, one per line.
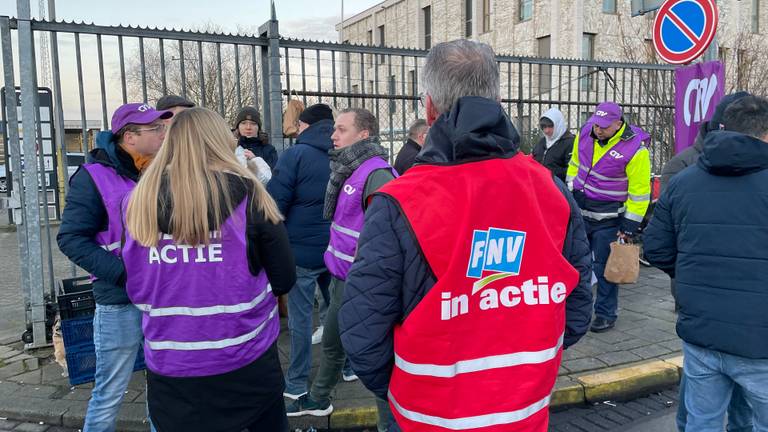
348,219
113,188
204,312
607,179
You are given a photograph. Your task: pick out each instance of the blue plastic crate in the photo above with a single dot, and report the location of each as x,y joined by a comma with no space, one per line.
77,332
81,364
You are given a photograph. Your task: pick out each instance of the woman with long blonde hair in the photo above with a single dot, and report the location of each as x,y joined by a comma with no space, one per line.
206,254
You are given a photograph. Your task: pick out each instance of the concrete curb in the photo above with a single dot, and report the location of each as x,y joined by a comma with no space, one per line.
620,383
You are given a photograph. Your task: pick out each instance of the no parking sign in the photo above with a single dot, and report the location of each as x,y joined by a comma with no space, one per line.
683,29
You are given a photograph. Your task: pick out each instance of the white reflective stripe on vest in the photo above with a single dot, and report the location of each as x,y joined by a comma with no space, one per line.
633,217
646,197
602,177
601,216
344,230
204,311
340,255
606,192
111,247
479,421
479,364
217,344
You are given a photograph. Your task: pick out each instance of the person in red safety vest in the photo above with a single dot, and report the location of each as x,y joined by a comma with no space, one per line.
473,268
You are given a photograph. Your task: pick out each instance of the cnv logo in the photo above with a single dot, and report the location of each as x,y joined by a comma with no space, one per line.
496,250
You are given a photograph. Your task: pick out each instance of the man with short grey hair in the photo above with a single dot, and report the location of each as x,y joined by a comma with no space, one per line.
417,134
472,272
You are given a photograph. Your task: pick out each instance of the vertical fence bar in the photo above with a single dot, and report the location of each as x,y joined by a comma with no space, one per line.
201,74
333,78
102,85
255,78
404,106
391,107
143,70
287,72
122,67
362,77
220,79
30,192
81,93
182,70
14,150
163,77
319,86
237,77
303,78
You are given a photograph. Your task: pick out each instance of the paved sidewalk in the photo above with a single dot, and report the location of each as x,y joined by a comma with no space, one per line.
32,387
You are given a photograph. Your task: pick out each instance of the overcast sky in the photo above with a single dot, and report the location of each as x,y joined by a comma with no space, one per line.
311,19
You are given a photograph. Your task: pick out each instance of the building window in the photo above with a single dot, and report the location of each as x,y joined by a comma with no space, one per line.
755,16
427,27
545,70
486,16
525,8
609,6
468,12
414,90
382,57
369,42
588,53
355,101
650,51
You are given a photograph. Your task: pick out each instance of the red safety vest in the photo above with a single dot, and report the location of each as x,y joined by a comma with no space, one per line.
482,349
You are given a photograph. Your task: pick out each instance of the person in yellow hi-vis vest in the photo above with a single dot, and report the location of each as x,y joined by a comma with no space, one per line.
609,174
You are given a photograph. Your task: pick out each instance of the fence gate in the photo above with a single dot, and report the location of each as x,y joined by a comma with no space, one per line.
94,69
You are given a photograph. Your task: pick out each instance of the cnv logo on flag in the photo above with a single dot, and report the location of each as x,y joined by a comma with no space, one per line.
496,250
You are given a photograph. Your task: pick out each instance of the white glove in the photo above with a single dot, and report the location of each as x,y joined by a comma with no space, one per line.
260,169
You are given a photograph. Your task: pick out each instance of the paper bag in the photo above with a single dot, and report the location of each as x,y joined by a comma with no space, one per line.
623,266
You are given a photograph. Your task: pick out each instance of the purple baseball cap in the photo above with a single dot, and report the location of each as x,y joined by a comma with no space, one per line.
136,113
605,114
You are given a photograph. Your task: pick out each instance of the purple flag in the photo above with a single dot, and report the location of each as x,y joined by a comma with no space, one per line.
698,89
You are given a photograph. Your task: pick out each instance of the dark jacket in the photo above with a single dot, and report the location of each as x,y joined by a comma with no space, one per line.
260,148
555,158
298,186
85,216
390,276
709,231
684,159
406,156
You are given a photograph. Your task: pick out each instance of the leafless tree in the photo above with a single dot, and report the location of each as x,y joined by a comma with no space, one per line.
224,86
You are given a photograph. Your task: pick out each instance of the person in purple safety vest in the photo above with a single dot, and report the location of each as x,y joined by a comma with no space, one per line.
205,260
610,176
358,169
89,236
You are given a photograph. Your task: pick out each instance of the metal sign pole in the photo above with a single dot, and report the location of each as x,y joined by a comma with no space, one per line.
31,182
14,156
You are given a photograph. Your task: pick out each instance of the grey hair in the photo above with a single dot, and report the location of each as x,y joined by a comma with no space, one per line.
416,128
460,68
364,120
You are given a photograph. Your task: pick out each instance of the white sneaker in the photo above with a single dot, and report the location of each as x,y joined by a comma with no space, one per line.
317,336
349,378
293,396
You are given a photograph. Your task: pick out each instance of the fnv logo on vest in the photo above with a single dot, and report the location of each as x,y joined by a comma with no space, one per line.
497,254
497,250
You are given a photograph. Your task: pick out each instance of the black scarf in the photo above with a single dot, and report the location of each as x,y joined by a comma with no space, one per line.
344,162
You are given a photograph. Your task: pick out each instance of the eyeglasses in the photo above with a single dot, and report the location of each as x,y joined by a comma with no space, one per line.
250,123
157,128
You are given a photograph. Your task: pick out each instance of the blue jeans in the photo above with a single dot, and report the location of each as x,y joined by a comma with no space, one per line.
710,378
301,301
117,337
600,238
739,412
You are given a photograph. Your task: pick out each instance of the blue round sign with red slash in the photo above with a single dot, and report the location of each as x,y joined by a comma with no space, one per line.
683,29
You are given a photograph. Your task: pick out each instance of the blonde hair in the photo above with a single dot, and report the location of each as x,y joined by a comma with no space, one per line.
196,155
